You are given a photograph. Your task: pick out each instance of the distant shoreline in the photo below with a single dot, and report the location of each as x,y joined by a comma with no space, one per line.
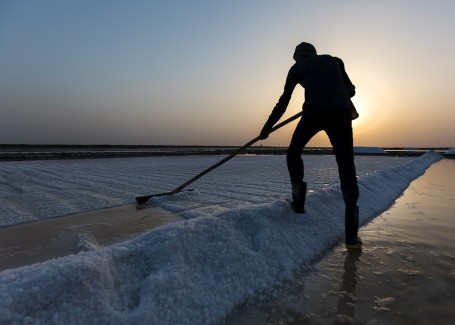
21,152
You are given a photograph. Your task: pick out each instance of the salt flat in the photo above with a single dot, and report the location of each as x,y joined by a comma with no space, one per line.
35,190
197,270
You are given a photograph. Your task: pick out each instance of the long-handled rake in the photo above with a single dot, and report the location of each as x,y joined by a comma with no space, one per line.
143,199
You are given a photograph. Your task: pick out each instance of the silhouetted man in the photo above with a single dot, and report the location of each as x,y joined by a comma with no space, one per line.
328,107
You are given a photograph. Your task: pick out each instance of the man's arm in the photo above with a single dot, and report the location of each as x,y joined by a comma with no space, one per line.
347,82
283,102
350,88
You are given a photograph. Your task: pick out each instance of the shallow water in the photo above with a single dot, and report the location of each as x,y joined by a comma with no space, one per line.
405,273
42,240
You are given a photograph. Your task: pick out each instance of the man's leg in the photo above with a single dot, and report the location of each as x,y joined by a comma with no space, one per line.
304,131
339,131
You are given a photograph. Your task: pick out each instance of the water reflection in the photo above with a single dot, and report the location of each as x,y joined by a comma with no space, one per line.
346,303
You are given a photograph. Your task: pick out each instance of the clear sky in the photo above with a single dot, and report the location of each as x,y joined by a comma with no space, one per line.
210,72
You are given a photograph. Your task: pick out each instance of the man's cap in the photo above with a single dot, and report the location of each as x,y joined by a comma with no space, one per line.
304,49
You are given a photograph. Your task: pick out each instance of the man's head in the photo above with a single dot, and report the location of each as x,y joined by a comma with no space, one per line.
304,49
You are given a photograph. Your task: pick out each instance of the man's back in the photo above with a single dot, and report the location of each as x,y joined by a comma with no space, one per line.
322,78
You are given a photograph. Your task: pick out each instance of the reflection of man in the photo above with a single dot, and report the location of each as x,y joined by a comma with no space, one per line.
346,303
327,107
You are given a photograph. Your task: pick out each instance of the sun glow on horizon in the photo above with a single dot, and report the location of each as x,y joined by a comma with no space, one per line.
363,107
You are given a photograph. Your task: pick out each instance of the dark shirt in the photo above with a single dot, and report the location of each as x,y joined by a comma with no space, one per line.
327,86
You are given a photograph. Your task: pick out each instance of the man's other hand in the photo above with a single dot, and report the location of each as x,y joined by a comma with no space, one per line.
264,133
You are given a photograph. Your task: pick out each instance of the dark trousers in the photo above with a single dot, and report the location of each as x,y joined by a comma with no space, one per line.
338,127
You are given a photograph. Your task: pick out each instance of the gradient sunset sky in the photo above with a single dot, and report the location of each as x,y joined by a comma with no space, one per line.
209,72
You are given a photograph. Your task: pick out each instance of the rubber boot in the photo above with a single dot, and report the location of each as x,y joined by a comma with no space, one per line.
351,218
298,197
